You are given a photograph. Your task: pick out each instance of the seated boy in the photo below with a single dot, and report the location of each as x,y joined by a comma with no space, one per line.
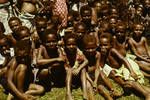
139,47
75,63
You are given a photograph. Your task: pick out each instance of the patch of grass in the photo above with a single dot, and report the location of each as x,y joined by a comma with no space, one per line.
59,94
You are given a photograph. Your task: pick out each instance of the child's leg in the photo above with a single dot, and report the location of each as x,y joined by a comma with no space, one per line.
10,97
90,91
118,79
19,78
35,89
102,91
3,71
109,85
144,66
42,74
68,84
145,74
141,89
83,80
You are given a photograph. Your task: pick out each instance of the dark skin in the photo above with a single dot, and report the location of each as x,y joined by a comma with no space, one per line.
14,25
86,18
50,58
18,79
5,52
93,67
111,57
80,31
72,69
139,47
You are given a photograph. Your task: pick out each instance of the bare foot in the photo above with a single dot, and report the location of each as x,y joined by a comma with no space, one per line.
147,97
115,93
69,97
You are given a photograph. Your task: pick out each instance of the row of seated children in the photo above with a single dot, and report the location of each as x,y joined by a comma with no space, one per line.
39,64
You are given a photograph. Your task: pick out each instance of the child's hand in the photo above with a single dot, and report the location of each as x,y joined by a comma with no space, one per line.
75,71
134,75
60,59
94,86
35,37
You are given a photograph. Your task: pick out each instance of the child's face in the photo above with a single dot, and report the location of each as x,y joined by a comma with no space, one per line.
120,33
113,22
80,31
97,6
139,11
14,25
138,30
104,45
147,3
23,34
41,26
51,41
90,49
86,16
114,11
4,46
71,45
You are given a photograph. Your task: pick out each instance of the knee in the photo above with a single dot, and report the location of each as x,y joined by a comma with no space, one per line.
22,67
69,71
41,89
43,73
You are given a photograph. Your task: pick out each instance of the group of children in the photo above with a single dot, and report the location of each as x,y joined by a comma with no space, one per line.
74,43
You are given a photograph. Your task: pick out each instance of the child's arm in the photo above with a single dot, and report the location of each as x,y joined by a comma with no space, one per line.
125,62
11,70
135,52
97,70
81,66
147,48
44,61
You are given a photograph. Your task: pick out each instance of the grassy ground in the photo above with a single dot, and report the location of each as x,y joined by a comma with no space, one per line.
59,94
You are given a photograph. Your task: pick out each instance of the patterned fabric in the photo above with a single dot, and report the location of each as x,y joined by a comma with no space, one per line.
5,14
60,9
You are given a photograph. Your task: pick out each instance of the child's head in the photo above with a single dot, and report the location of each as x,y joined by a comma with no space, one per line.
80,30
23,51
22,32
86,14
70,41
120,32
139,10
14,23
97,6
138,30
105,43
89,45
112,22
50,39
4,45
41,24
